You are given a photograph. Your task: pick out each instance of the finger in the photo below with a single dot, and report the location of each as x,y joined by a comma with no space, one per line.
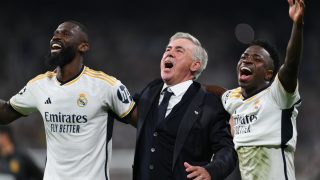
302,4
186,165
194,174
290,2
190,168
199,178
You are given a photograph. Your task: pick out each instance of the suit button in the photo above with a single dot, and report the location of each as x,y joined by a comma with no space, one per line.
155,134
151,167
153,149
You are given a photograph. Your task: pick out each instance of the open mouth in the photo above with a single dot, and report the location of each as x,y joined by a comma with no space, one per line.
245,73
56,47
168,65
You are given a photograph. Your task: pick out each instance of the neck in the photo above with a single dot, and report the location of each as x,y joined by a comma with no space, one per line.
69,71
246,92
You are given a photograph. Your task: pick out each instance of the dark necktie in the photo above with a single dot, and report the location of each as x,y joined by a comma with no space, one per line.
162,109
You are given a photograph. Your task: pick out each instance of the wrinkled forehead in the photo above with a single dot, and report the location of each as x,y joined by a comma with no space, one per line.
257,50
68,26
182,42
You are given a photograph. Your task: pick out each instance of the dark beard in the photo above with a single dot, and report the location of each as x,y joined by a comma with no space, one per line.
64,57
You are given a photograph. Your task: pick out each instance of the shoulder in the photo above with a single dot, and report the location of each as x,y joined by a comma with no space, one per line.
47,75
100,76
153,84
232,94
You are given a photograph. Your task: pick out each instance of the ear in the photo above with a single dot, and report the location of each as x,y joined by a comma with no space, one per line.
84,47
269,75
195,66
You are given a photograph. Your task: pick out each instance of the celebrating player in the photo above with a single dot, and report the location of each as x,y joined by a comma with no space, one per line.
75,103
264,106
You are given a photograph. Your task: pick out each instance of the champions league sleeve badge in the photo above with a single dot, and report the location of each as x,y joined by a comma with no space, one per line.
123,94
82,100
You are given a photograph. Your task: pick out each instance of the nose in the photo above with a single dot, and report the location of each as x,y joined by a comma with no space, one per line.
248,59
56,36
167,54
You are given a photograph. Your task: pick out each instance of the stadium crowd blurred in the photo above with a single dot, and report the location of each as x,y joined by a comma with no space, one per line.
128,39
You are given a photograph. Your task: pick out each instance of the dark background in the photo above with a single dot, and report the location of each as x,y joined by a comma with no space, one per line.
127,41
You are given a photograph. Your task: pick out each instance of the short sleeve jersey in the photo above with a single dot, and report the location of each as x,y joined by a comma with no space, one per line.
267,118
76,116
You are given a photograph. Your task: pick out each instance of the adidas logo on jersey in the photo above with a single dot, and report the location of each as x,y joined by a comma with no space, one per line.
48,101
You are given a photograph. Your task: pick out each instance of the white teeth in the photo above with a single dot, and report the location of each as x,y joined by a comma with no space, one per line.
55,50
56,46
245,68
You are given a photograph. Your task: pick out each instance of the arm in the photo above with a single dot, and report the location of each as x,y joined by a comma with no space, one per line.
231,122
215,89
132,117
7,113
288,73
225,157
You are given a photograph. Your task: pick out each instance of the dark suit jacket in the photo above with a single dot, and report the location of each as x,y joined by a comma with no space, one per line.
203,132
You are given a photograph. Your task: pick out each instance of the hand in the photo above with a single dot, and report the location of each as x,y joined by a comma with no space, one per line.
215,89
196,172
296,10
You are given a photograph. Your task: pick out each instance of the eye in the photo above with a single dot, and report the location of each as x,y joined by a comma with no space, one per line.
67,33
257,58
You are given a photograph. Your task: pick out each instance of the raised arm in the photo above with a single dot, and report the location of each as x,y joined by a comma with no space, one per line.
7,113
288,73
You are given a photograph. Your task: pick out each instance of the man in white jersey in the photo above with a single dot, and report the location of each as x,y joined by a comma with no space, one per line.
75,103
263,108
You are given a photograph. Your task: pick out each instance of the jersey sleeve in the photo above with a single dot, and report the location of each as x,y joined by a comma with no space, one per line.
24,102
120,100
230,99
283,98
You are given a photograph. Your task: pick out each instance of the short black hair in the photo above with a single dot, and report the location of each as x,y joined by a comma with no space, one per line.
83,28
274,54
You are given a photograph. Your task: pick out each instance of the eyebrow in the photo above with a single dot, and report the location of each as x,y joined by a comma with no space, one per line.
254,55
176,47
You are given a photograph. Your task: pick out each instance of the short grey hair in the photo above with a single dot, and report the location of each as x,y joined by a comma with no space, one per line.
199,53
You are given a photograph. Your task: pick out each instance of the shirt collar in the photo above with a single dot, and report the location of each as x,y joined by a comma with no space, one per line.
178,89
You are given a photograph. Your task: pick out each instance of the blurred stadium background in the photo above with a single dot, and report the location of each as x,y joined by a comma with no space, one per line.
127,41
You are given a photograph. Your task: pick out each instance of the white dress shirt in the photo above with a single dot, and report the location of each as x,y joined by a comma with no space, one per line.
178,91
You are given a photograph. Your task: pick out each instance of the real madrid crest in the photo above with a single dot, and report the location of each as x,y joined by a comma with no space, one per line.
82,100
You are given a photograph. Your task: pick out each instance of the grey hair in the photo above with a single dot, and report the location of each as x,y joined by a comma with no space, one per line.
199,53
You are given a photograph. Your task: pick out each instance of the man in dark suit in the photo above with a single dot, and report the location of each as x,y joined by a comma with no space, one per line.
182,130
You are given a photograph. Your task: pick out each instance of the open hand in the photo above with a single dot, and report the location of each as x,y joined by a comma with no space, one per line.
296,10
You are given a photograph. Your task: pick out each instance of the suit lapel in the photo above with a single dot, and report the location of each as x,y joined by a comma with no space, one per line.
189,118
148,97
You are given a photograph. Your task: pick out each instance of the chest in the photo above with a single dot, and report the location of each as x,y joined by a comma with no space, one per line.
73,99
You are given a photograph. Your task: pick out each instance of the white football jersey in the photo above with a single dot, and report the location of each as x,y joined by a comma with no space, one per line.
265,132
77,122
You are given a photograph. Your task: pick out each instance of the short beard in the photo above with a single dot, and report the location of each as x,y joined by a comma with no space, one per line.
64,57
